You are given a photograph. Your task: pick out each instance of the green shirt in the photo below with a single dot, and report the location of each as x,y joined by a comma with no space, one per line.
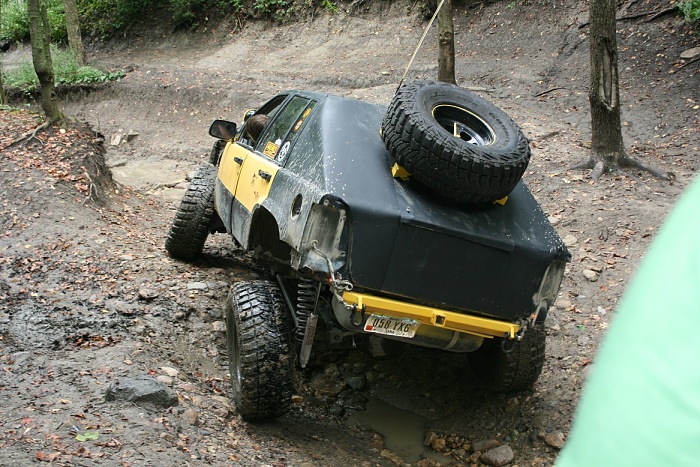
641,406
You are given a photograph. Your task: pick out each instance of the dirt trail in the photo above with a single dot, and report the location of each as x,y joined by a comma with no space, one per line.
65,338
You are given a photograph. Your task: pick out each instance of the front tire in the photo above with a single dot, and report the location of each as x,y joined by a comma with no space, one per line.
259,353
514,371
216,150
194,217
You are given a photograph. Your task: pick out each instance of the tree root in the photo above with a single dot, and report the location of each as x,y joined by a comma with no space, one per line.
27,137
598,167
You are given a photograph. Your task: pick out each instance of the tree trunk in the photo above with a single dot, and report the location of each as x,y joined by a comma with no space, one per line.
446,41
41,56
2,91
75,40
604,95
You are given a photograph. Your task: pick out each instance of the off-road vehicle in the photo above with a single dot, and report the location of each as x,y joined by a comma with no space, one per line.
408,223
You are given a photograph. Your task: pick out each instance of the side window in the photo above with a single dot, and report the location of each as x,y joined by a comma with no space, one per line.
270,109
283,129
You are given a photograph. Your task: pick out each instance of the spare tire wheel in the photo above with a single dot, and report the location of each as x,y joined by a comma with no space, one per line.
454,142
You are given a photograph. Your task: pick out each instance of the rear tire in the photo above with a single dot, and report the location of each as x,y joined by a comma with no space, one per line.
194,217
514,371
260,359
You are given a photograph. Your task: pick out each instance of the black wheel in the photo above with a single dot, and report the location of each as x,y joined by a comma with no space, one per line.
194,217
454,142
259,355
216,150
514,371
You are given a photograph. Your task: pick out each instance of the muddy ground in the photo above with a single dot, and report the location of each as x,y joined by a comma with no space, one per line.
88,295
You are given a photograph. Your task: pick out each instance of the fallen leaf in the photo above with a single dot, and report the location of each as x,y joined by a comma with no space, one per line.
88,436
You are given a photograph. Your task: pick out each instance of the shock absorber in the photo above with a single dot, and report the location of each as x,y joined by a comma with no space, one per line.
307,296
307,300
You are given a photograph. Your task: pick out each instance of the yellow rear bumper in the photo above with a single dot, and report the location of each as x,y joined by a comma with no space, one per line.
484,327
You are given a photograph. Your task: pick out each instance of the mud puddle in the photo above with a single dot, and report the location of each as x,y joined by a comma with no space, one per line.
403,431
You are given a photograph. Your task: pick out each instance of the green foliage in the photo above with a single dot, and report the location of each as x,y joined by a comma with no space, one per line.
277,9
106,18
66,71
14,24
103,18
691,10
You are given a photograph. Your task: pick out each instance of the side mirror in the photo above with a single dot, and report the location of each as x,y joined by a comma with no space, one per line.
222,129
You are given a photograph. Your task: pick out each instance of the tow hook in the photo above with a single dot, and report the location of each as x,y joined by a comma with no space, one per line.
363,318
505,347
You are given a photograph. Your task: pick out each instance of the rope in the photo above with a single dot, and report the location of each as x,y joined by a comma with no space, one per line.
415,52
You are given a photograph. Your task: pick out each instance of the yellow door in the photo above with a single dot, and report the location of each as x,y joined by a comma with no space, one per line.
255,180
231,164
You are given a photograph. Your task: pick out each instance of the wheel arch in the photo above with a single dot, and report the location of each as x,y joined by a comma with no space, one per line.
264,236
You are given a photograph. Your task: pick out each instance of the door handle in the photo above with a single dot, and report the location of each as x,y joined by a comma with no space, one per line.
238,160
265,175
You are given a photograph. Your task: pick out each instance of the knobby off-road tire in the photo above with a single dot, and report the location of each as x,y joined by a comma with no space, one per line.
259,353
480,165
216,150
194,217
514,371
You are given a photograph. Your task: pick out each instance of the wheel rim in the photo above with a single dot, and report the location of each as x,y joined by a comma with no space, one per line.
464,125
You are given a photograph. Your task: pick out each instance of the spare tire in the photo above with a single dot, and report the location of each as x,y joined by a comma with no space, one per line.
454,142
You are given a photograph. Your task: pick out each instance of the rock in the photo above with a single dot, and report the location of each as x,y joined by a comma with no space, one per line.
331,371
121,307
167,380
131,135
392,457
218,326
484,445
554,220
438,444
147,294
141,390
201,286
190,417
497,457
356,382
116,139
570,240
690,53
172,372
555,439
187,387
429,438
590,275
337,410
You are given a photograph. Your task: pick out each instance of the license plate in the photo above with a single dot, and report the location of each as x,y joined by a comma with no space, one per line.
400,327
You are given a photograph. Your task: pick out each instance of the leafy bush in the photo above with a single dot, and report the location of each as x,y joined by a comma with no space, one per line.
106,18
691,10
14,24
66,71
103,18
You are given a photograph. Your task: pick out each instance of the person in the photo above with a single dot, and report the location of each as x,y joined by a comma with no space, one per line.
641,406
255,125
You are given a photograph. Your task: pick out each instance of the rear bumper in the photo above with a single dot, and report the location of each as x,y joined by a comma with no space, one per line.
429,316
